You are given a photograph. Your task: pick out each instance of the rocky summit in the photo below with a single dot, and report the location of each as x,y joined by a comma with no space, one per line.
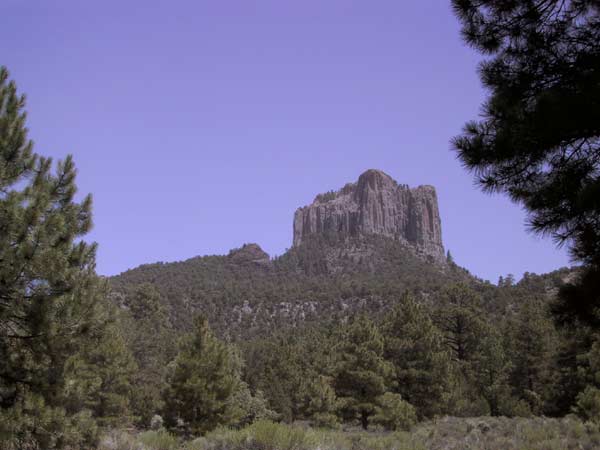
376,205
249,253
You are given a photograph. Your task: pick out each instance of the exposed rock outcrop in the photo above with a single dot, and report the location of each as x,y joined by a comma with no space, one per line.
376,204
249,253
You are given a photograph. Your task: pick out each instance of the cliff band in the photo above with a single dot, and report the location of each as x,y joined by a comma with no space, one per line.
376,204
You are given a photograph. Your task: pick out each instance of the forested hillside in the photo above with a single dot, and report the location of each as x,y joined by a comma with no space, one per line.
324,278
293,317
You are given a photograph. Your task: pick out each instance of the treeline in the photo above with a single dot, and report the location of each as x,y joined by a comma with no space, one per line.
426,359
423,359
323,279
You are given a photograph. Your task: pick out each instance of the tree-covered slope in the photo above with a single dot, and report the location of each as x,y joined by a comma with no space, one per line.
325,277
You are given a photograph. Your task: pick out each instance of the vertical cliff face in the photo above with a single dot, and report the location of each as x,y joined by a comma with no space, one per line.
376,204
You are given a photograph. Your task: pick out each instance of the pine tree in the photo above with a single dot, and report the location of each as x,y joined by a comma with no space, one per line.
48,289
287,368
587,404
276,367
321,402
458,316
247,407
362,373
539,138
394,413
532,341
98,378
491,368
416,349
578,363
150,339
204,377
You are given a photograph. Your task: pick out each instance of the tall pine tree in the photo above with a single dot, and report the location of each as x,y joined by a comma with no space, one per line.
532,343
150,339
49,292
422,364
458,315
362,375
539,136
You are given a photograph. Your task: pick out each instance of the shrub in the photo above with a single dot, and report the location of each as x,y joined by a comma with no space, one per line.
322,403
394,413
274,436
588,404
512,407
156,423
221,439
119,440
246,408
159,440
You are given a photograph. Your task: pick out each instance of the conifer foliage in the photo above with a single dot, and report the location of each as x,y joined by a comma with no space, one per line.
415,347
49,294
539,137
204,377
363,374
152,343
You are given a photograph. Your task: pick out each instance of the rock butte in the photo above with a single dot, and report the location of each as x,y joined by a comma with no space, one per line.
376,204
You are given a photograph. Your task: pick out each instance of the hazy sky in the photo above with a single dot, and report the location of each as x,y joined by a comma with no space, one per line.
201,125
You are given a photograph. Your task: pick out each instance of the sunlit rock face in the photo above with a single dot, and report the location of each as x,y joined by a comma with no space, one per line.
376,204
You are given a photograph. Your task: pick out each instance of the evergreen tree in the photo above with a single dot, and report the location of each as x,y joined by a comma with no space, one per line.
150,339
289,367
458,316
98,378
491,369
204,377
539,139
394,413
247,408
321,402
48,289
531,342
588,400
275,367
416,349
572,363
362,373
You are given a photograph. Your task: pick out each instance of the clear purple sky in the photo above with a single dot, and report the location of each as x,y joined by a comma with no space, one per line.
201,125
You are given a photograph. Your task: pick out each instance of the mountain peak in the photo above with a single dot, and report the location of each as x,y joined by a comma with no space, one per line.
376,205
374,176
248,253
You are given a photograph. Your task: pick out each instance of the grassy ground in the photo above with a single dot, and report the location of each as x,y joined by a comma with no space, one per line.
446,433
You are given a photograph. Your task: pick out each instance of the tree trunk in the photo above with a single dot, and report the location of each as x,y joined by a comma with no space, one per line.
364,420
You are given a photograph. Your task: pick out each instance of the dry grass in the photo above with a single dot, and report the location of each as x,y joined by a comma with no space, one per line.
448,433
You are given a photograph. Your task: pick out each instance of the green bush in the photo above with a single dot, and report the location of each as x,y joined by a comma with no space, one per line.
159,440
246,408
588,404
221,439
394,413
267,435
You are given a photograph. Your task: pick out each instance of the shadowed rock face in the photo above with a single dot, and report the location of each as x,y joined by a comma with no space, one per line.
376,204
